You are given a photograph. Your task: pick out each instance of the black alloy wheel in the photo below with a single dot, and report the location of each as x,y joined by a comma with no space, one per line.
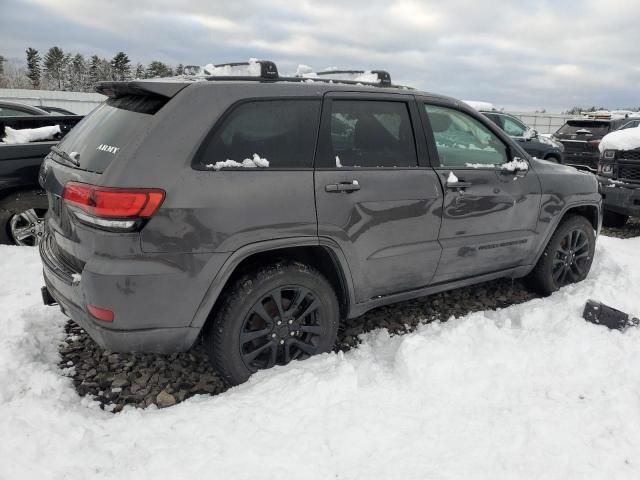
572,258
280,327
567,257
271,316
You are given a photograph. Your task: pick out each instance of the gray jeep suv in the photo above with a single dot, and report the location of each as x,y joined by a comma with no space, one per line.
257,212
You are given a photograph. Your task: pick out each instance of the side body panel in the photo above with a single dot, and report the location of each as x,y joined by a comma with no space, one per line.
388,228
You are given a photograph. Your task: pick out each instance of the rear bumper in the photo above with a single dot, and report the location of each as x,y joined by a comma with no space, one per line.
620,198
157,340
154,298
582,160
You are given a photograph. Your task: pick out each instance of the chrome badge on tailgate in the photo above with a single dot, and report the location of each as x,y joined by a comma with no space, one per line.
103,147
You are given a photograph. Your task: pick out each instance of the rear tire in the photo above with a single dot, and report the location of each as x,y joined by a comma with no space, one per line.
22,218
567,258
271,316
614,220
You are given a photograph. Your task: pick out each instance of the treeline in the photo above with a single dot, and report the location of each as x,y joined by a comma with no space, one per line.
578,110
59,70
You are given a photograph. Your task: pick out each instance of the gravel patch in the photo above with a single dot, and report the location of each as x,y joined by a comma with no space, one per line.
141,380
630,230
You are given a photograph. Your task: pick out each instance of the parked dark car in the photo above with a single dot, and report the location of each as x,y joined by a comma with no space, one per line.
14,109
581,138
257,213
529,139
23,203
619,175
631,124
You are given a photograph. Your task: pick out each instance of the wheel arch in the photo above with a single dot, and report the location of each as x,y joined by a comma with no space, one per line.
319,253
590,211
554,155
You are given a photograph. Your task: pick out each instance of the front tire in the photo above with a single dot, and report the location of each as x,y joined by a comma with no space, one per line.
567,258
276,314
614,220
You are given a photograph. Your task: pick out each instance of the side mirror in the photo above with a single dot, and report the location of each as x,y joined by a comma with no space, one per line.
530,134
517,164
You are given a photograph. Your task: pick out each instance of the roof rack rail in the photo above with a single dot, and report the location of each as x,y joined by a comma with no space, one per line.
383,76
253,69
268,71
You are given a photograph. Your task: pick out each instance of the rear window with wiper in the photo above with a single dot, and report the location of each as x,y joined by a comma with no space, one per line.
586,128
101,136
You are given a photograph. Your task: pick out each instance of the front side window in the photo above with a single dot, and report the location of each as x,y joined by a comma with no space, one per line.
512,127
369,133
12,112
282,132
462,141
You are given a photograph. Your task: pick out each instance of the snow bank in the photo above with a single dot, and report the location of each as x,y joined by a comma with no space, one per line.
254,162
530,391
26,135
627,139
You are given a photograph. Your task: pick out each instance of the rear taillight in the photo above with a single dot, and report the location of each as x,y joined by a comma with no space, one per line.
102,314
109,208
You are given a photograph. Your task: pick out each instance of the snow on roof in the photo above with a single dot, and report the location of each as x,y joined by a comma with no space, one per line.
252,69
627,139
366,76
480,106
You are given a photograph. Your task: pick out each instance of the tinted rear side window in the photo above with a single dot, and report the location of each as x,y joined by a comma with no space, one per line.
369,133
282,131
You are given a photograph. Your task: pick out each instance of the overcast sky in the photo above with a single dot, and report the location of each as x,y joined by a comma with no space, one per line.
519,54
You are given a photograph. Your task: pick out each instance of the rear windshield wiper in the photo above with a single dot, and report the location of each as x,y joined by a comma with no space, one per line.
66,156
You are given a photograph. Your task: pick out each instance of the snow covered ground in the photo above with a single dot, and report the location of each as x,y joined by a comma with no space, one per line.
530,391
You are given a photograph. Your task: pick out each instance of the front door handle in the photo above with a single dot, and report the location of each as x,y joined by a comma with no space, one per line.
458,185
342,187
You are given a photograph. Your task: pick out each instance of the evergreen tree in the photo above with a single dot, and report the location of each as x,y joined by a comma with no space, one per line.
33,67
120,67
158,69
79,74
140,72
3,80
55,67
180,69
94,70
105,70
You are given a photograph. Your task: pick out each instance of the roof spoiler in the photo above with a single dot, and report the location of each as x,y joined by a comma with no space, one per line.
140,87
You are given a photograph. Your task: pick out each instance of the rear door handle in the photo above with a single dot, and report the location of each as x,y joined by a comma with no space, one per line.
459,185
345,187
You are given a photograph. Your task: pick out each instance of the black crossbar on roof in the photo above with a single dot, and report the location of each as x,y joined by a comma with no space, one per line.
383,76
269,73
